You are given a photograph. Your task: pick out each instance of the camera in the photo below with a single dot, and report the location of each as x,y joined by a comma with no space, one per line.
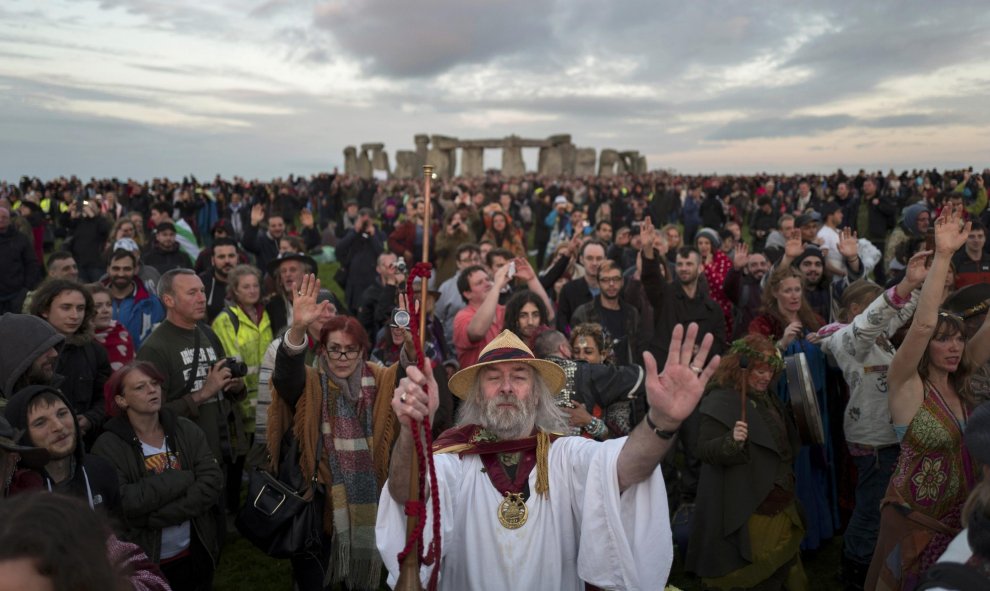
400,265
238,369
400,318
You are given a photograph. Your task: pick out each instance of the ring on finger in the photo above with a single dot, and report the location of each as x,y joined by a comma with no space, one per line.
695,369
403,397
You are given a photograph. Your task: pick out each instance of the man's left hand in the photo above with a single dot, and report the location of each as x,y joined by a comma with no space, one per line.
673,394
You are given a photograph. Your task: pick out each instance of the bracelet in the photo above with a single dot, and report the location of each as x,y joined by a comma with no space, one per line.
665,435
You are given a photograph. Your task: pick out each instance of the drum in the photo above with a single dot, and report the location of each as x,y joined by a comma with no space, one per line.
804,402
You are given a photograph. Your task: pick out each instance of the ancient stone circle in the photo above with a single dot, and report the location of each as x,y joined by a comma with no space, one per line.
558,157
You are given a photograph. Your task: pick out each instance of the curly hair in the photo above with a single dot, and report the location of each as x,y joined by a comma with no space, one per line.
515,305
44,296
730,373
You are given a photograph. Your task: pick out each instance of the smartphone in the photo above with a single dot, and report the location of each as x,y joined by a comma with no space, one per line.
512,269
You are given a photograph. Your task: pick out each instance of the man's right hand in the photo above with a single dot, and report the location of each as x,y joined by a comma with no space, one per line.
416,396
257,214
218,379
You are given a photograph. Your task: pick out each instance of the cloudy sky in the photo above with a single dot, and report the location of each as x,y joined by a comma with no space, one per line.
264,88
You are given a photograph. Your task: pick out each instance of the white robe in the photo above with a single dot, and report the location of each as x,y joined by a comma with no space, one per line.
584,531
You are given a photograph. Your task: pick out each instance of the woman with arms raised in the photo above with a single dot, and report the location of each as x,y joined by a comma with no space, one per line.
930,400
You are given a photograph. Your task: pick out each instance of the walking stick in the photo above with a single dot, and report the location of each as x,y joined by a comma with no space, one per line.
744,366
409,569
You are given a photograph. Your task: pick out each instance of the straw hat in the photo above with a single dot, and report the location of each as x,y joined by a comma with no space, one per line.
507,348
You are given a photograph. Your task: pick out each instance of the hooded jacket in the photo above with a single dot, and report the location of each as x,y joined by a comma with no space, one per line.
93,479
138,312
23,338
149,501
85,367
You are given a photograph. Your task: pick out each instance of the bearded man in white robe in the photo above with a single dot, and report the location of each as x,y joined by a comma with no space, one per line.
522,508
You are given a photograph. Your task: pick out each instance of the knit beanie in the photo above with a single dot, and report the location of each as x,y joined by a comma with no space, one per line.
23,338
710,234
809,251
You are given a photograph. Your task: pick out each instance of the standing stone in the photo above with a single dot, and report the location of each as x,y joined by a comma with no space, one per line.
568,158
606,162
422,142
512,160
350,160
551,163
379,157
473,163
584,162
641,167
407,164
364,165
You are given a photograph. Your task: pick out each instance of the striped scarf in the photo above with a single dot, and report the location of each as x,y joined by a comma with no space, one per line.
347,439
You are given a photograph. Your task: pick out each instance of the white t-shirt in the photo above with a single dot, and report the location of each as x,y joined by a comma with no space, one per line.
175,538
830,240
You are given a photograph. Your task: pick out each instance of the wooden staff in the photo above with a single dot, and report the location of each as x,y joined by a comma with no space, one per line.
744,366
409,570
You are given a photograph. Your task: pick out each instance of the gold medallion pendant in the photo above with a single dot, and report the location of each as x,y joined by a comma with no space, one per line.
512,512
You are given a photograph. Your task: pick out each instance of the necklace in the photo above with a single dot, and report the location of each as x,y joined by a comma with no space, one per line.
512,511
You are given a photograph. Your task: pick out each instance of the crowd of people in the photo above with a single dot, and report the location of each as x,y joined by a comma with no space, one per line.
731,370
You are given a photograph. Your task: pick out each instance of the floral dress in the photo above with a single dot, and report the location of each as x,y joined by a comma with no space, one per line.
922,510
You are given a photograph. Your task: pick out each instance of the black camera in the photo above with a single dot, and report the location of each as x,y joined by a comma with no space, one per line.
238,369
400,265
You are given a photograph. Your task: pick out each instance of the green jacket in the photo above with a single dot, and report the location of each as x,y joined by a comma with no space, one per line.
150,502
247,341
977,206
734,481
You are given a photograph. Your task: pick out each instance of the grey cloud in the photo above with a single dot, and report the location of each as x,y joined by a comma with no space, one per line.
813,125
416,39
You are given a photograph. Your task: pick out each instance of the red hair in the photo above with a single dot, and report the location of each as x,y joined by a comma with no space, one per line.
349,326
115,385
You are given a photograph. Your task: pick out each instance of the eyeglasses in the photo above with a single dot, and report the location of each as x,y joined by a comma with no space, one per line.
343,353
610,279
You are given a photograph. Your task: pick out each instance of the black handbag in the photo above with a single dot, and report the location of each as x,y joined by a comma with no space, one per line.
277,518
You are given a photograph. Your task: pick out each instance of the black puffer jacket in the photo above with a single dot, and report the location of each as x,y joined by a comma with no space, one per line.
150,501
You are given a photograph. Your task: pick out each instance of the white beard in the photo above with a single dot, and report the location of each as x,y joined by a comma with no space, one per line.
508,423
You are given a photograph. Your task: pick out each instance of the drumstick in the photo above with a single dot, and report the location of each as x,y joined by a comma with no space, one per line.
744,365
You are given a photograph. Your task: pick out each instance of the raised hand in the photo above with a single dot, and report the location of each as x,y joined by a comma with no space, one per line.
257,214
306,218
648,237
848,243
305,309
917,270
741,256
950,231
524,270
675,392
794,247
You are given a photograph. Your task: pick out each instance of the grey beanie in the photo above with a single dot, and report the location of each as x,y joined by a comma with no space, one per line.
711,235
23,338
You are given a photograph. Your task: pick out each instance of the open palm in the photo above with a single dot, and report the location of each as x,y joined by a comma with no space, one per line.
676,391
